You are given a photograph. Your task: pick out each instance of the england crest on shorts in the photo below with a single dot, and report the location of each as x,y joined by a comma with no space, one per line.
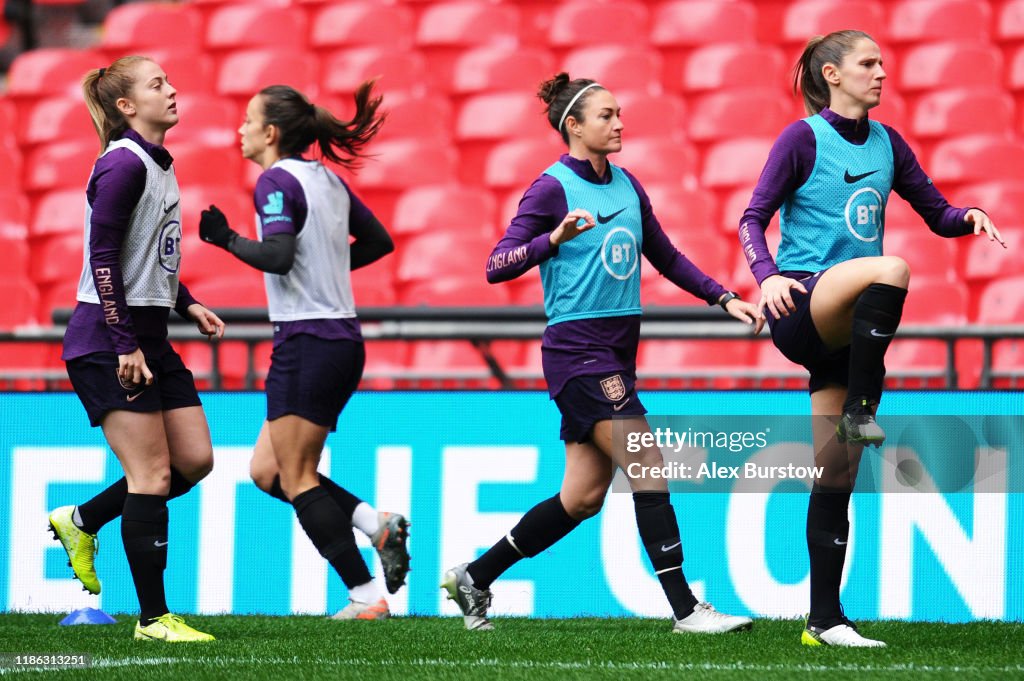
613,387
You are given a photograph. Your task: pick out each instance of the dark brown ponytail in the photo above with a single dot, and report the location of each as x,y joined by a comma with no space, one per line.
302,123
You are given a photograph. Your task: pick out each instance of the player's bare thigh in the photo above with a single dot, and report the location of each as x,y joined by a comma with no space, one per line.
836,293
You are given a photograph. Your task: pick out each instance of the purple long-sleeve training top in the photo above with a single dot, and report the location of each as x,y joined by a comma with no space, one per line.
586,347
117,182
790,163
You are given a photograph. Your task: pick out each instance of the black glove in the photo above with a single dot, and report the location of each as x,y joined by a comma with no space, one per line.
214,229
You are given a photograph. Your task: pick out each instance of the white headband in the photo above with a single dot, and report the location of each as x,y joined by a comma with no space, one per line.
572,101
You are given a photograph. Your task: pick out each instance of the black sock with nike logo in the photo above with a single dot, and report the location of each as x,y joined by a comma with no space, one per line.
659,532
538,530
828,531
876,316
107,505
144,533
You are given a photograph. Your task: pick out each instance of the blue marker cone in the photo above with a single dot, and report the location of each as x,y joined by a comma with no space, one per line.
87,616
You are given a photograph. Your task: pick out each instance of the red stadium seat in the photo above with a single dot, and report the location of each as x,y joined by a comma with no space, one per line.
21,300
453,291
677,208
488,69
657,160
687,23
712,364
51,72
447,208
11,164
616,67
443,255
914,364
735,162
374,285
492,116
57,260
236,204
928,255
345,70
1003,301
806,18
1004,200
938,66
404,163
191,73
732,65
726,114
196,164
427,116
977,158
1010,22
362,23
985,260
14,218
526,289
460,24
56,119
239,287
60,165
246,25
652,115
709,252
243,74
59,212
516,164
13,259
133,28
458,358
935,302
205,120
733,207
921,20
385,361
892,111
900,216
775,371
965,111
1008,364
606,23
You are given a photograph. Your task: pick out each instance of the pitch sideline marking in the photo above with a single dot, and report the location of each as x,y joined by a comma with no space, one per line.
521,664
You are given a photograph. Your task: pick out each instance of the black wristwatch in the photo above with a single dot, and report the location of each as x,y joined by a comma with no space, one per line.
729,295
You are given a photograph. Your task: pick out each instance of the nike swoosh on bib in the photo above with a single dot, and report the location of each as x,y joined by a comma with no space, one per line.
850,179
605,218
169,209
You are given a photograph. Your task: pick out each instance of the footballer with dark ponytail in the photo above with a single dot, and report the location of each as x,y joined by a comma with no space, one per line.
313,231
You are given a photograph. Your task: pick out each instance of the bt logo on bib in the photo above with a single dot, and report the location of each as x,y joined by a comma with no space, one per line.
619,253
864,213
169,246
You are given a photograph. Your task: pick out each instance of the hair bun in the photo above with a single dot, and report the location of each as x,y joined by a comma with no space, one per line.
550,89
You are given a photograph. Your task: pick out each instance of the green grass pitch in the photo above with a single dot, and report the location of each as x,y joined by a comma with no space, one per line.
410,648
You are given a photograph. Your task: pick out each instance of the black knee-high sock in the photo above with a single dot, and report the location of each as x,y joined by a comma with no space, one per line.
876,315
330,530
659,531
345,499
538,530
144,533
107,505
828,531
